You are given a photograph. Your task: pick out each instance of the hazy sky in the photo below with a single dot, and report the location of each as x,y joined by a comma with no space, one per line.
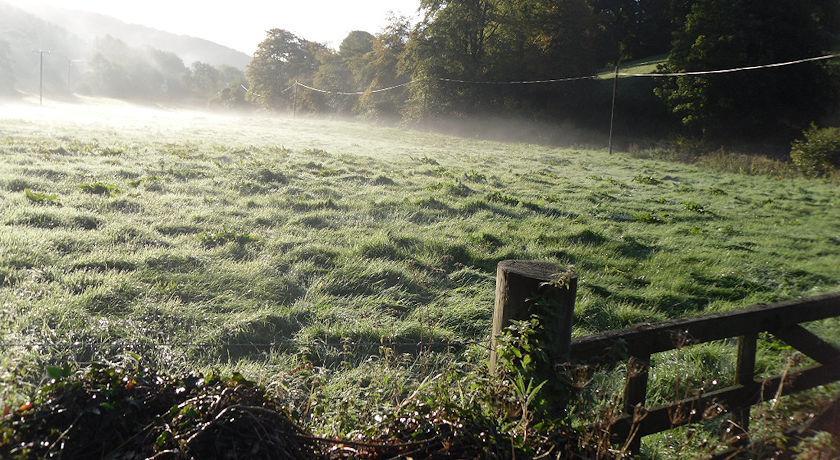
241,24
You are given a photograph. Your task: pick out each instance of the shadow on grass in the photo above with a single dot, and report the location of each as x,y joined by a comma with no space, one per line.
271,333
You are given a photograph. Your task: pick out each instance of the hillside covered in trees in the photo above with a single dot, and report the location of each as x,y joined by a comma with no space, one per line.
515,40
458,58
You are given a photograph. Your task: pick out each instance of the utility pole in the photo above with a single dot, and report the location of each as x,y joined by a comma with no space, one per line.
294,101
41,85
612,110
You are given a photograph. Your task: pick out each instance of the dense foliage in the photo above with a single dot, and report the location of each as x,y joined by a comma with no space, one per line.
721,34
495,40
819,153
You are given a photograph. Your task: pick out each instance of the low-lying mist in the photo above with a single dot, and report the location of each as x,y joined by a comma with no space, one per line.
262,127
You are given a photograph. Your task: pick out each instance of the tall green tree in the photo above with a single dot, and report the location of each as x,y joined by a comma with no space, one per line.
501,40
120,71
334,74
173,72
385,67
204,80
106,78
355,54
356,44
721,34
280,60
451,41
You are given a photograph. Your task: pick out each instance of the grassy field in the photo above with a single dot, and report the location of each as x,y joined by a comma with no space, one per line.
646,65
261,245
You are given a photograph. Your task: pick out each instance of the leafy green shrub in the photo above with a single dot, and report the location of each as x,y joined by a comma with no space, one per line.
819,153
139,414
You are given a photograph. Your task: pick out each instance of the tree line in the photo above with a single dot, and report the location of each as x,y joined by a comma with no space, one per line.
513,40
115,69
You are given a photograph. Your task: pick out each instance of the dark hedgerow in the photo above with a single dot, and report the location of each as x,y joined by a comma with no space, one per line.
111,412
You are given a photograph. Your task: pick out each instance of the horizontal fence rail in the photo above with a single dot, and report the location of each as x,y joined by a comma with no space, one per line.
518,284
656,338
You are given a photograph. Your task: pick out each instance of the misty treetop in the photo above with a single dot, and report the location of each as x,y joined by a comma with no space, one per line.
511,40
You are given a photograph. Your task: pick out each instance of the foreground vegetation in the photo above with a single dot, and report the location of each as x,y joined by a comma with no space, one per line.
344,266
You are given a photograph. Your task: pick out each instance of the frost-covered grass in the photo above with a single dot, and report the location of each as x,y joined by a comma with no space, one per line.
262,245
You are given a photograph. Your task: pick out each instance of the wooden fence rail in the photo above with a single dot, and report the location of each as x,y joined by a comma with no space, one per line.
519,282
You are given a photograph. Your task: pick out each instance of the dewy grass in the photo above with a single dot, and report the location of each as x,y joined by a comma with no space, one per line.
264,245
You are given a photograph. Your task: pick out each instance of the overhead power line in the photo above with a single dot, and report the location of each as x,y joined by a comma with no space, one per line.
520,82
567,79
355,93
737,69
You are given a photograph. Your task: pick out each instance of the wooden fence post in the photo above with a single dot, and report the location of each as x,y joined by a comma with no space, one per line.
518,284
745,375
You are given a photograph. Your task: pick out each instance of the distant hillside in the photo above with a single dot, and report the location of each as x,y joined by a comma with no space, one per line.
190,49
21,33
96,60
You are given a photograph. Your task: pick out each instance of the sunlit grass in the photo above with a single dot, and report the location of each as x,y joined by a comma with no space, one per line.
639,66
256,243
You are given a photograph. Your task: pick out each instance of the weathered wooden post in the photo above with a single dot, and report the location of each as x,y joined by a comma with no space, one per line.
518,284
745,375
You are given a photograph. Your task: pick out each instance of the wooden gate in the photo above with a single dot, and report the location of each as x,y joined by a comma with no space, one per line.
518,281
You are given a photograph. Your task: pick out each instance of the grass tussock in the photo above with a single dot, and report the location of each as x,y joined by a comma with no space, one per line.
41,197
100,188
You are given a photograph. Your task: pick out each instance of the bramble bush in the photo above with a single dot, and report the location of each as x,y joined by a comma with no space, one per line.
819,153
